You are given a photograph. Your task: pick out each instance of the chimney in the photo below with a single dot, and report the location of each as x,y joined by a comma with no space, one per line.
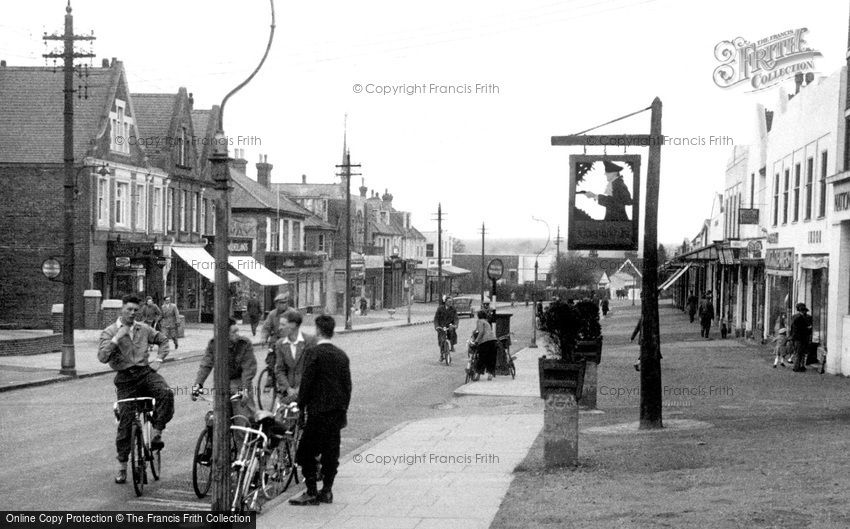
3,64
191,102
264,171
239,163
363,188
114,61
798,82
303,179
104,63
387,199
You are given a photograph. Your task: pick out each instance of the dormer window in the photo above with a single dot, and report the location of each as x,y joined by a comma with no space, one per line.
120,128
183,144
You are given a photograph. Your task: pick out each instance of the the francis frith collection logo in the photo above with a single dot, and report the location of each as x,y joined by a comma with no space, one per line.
763,63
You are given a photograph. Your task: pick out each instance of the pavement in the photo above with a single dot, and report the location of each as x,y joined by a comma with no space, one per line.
34,370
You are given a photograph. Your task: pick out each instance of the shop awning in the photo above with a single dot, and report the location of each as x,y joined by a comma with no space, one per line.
253,270
201,261
448,271
672,279
813,263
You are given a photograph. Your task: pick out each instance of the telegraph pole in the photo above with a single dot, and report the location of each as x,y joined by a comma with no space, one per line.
219,167
68,56
558,240
347,174
482,263
440,249
650,348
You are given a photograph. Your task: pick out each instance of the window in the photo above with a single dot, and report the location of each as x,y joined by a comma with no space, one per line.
297,243
776,200
285,245
203,216
103,200
156,209
120,128
320,240
429,250
274,240
169,209
810,175
212,216
122,201
752,189
785,196
196,212
184,198
183,148
140,204
796,192
822,186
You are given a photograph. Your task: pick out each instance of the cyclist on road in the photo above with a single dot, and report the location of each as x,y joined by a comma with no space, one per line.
124,345
242,367
290,357
270,332
446,317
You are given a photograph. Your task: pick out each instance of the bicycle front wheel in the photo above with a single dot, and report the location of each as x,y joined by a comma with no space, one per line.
266,395
137,459
202,464
156,464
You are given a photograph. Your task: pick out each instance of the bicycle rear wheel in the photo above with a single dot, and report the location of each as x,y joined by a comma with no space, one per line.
202,464
137,459
277,471
265,395
156,464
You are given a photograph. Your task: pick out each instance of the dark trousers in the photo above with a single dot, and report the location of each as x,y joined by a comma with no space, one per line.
321,436
692,313
254,323
800,350
705,324
487,357
140,381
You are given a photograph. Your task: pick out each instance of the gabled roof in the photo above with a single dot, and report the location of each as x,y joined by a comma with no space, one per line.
154,112
31,106
313,221
248,194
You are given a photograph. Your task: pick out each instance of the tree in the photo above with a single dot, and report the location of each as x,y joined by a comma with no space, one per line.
662,254
458,246
572,271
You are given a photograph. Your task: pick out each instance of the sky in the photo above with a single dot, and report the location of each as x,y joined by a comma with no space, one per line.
518,72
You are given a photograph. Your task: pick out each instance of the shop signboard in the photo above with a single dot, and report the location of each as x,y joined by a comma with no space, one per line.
779,259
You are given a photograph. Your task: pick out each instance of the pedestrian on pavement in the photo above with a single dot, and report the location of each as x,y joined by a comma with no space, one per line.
513,299
605,308
780,349
242,367
364,306
124,346
290,358
693,302
526,298
706,315
270,332
485,339
150,313
324,397
170,320
255,312
800,332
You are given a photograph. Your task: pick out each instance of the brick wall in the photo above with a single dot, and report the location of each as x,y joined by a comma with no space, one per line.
31,346
31,221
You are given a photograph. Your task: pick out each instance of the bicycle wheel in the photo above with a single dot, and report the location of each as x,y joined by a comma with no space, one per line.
202,464
156,463
236,485
265,395
512,369
446,352
277,471
137,459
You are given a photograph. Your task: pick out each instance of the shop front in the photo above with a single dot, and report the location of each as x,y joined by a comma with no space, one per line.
134,268
813,290
779,288
190,282
304,274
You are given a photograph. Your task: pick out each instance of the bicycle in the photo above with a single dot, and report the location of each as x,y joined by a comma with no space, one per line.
279,468
266,389
203,457
445,346
140,442
504,347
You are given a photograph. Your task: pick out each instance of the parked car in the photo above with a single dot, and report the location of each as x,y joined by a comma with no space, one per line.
464,306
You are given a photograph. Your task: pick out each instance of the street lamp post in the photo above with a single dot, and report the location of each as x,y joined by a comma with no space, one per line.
534,290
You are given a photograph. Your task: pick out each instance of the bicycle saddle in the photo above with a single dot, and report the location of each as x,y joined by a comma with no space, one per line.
262,415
